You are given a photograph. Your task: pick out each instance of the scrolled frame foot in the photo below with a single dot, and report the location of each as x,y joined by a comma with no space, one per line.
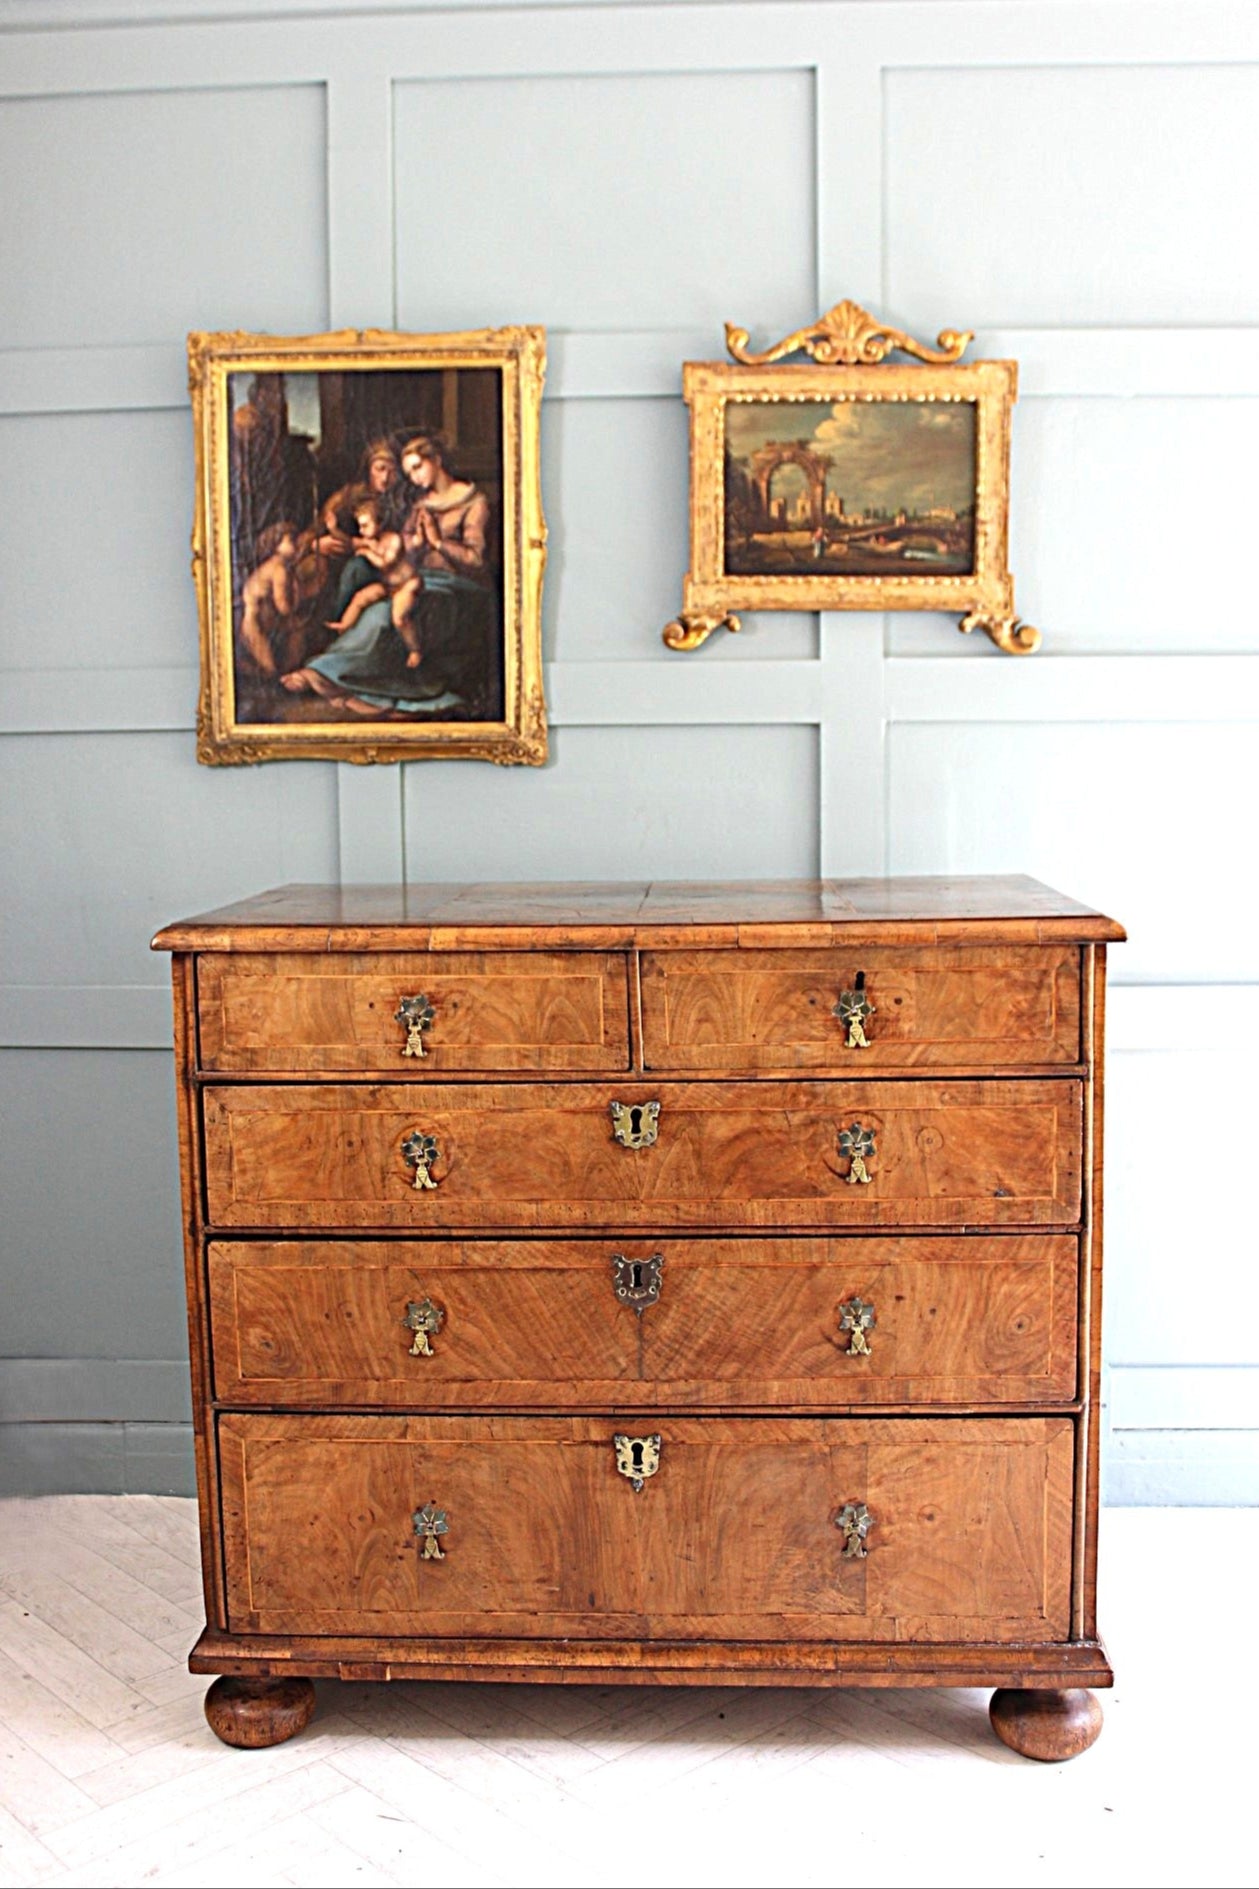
1049,1726
254,1713
1010,634
691,632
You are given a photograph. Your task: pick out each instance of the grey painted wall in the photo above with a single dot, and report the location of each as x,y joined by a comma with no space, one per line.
1064,179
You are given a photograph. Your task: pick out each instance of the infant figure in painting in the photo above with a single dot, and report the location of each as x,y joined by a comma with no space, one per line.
269,630
398,579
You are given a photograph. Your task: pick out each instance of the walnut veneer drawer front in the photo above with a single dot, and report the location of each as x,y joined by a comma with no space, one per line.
447,1526
493,1011
706,1322
933,1007
760,1154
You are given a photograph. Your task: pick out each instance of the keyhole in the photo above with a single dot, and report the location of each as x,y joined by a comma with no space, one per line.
636,1452
636,1120
636,1275
861,981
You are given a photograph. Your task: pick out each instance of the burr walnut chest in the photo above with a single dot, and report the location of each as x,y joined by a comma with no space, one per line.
647,1284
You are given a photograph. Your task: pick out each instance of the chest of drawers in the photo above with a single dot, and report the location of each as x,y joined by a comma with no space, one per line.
646,1284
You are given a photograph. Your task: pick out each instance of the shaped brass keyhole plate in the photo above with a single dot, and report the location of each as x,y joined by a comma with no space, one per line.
634,1124
637,1282
637,1457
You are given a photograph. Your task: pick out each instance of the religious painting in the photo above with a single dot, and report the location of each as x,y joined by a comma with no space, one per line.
369,546
849,484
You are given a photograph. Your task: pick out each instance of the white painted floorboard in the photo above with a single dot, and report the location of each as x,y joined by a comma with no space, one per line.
109,1774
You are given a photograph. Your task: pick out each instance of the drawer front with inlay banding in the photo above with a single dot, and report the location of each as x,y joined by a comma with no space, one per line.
857,1011
414,1013
756,1155
645,1525
884,1320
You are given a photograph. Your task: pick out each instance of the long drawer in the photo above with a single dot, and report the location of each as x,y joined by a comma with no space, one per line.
755,1155
855,1011
858,1529
583,1323
303,1013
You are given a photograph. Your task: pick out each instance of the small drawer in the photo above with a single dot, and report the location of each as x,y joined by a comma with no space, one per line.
706,1323
746,1156
413,1013
854,1529
853,1011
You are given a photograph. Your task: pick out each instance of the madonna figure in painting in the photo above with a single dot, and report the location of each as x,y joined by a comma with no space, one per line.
422,643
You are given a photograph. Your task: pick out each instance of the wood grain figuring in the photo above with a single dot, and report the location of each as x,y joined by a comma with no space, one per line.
1005,908
735,1536
299,1014
933,1008
630,1662
757,1155
967,1320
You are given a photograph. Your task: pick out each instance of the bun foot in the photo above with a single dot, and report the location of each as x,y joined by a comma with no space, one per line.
1050,1726
253,1713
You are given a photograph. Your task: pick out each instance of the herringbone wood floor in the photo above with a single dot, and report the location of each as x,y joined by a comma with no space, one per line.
109,1774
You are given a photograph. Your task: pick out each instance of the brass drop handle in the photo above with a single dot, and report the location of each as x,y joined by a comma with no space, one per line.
419,1151
854,1011
638,1282
635,1124
857,1318
638,1458
430,1524
415,1014
856,1521
425,1320
857,1144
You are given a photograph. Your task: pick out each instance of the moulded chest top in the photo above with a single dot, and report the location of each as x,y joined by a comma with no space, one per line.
757,913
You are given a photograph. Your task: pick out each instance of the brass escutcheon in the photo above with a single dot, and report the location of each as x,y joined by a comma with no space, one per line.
637,1282
634,1124
856,1521
425,1320
857,1317
416,1013
853,1010
430,1522
857,1142
637,1457
419,1151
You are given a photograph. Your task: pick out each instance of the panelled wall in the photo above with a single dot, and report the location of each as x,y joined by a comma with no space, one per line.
1074,182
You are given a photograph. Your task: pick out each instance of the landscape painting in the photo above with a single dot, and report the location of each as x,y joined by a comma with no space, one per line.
368,542
859,487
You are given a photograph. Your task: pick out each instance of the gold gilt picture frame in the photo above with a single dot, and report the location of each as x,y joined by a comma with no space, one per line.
369,546
847,483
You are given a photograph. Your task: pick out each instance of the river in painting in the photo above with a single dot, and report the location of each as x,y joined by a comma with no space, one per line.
850,488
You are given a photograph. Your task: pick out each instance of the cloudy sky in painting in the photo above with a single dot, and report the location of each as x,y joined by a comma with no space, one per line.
300,390
887,454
